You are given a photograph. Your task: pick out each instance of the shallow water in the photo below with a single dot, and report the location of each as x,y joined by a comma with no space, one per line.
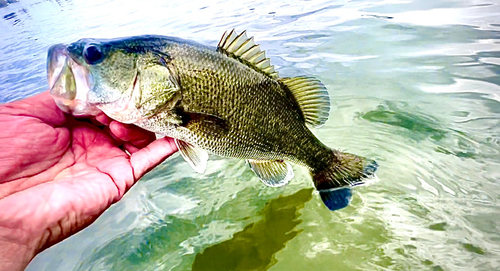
414,84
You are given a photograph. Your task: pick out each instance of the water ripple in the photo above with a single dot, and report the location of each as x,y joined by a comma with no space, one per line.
413,84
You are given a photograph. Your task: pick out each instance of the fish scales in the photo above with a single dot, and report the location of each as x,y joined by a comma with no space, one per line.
217,85
228,101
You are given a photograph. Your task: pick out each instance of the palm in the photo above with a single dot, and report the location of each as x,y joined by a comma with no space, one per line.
59,174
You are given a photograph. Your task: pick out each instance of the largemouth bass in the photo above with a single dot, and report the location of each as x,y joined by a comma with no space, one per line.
228,101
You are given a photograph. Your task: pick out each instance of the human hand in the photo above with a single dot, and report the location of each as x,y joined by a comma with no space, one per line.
59,174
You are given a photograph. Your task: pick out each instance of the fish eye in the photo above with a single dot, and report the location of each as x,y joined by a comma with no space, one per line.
92,53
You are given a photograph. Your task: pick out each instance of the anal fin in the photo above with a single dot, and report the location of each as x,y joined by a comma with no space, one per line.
272,173
197,158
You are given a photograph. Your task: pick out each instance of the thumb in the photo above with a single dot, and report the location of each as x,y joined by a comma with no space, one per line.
150,156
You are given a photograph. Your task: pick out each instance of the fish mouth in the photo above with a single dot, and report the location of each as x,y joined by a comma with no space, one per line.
69,82
71,87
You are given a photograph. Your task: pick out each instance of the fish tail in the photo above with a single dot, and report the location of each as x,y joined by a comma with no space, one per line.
334,181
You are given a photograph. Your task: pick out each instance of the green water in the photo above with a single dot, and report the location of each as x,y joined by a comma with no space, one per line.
414,84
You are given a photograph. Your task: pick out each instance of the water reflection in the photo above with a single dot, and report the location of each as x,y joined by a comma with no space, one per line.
413,83
255,246
13,17
4,3
418,125
16,17
10,16
140,247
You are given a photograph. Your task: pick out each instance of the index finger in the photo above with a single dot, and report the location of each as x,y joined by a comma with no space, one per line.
132,134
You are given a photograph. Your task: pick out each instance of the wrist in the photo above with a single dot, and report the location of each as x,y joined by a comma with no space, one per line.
19,243
15,253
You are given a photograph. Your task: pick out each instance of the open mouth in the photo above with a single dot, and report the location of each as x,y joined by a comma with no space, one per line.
69,82
71,86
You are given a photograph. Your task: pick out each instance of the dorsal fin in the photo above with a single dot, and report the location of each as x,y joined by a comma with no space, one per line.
312,97
244,49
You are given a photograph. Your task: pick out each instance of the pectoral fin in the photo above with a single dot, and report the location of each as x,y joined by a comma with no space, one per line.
197,158
272,173
209,125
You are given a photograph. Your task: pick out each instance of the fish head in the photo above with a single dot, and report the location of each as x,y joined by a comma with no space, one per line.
89,76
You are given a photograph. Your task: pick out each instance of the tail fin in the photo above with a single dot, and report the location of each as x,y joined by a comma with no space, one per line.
334,181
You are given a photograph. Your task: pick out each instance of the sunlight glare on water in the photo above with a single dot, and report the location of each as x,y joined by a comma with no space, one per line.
414,84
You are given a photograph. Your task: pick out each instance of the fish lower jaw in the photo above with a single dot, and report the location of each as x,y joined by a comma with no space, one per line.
77,108
124,114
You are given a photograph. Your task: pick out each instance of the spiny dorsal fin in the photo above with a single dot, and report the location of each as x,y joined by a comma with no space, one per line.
244,49
312,97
